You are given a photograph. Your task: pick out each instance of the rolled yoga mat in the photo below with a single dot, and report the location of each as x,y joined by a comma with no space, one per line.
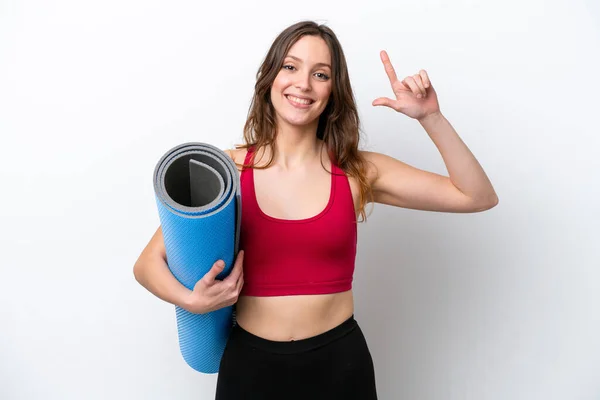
196,187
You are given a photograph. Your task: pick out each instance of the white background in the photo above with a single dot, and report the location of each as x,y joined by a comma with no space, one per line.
492,306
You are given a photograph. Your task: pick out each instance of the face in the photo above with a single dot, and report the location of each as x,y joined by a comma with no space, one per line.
302,87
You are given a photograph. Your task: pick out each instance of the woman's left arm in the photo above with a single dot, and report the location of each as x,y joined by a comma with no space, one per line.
393,182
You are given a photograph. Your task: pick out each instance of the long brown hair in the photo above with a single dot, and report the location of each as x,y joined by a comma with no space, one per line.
339,123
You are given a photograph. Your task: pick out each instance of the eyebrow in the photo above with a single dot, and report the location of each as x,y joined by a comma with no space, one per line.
317,64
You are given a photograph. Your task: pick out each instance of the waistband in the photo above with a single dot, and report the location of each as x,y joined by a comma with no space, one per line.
295,346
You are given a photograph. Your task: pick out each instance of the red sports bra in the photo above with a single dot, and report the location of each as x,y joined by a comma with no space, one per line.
314,255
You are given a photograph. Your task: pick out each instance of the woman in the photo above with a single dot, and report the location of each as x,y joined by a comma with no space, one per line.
304,186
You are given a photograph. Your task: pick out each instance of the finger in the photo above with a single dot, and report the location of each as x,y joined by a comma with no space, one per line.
239,261
240,284
425,78
234,290
384,101
237,267
405,85
419,83
211,275
389,68
240,277
410,82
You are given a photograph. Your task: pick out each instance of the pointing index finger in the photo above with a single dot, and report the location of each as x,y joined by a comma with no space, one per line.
389,69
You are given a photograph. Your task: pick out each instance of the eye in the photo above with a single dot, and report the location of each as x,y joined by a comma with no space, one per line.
288,67
322,76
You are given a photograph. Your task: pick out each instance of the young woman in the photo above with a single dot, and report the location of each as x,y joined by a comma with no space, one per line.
304,185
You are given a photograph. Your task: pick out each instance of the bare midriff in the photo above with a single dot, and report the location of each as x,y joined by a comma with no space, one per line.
286,318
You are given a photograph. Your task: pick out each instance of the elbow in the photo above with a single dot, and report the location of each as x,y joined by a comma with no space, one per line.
486,203
492,201
495,201
137,271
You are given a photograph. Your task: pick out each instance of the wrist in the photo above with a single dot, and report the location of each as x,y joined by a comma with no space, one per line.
431,118
187,301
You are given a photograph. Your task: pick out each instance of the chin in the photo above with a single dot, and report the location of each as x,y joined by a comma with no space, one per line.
298,122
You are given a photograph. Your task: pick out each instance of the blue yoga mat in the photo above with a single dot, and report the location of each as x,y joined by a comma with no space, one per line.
196,187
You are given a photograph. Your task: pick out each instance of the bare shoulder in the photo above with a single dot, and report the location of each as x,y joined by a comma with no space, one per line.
371,168
237,155
371,159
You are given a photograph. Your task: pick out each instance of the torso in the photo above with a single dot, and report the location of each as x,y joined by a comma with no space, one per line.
293,195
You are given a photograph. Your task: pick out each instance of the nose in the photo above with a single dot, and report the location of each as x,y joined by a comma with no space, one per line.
303,82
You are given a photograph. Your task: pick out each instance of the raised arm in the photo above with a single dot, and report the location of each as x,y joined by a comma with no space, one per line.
466,189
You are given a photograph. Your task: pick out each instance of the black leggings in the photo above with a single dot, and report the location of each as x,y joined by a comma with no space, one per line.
336,364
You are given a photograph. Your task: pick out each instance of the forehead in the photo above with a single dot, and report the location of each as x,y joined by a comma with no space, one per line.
312,50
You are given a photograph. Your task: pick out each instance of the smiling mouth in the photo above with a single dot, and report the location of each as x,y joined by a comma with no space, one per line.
299,101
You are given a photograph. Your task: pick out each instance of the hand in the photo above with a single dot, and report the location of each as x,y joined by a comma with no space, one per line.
210,294
415,97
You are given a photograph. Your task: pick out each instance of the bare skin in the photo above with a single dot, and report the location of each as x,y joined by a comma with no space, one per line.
279,318
296,186
293,193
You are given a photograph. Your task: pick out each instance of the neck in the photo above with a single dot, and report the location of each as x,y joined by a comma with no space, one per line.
295,145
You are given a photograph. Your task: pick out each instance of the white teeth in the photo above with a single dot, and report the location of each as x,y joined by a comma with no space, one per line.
299,101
